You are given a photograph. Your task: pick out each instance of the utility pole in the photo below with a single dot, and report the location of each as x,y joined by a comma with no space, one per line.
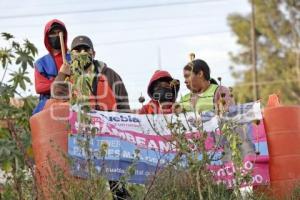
298,62
159,58
254,53
297,41
295,34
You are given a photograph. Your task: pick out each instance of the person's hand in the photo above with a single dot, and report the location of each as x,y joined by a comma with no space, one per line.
65,69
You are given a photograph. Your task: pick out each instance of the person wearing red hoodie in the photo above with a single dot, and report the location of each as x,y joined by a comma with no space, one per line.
47,67
163,91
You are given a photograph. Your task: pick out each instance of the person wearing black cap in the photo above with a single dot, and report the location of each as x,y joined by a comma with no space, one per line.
47,67
108,92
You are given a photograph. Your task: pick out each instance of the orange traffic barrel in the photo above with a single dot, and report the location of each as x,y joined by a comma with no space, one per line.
282,125
49,130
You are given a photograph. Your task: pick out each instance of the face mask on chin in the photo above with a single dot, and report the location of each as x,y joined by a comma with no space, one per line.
163,95
54,42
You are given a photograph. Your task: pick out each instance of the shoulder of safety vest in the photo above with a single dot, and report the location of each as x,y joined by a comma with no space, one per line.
211,90
214,86
186,97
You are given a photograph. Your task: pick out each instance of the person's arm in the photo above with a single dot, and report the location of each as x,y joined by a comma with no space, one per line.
122,97
119,90
63,73
61,89
42,83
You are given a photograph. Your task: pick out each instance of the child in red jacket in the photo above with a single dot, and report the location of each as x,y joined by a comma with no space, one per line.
163,91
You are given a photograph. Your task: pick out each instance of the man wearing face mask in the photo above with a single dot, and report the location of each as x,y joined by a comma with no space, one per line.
108,92
162,90
47,67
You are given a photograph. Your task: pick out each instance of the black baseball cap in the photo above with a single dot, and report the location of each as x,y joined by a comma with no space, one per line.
81,41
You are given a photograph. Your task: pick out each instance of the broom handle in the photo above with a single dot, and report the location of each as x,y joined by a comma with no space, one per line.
62,46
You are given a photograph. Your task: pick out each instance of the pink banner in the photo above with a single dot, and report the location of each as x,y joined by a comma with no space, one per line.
127,128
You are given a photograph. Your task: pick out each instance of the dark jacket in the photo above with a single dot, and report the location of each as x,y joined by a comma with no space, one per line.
109,90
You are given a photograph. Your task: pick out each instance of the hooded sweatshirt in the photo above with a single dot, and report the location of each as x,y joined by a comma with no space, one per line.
47,67
153,106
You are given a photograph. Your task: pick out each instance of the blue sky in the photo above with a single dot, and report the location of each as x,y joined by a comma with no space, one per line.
129,35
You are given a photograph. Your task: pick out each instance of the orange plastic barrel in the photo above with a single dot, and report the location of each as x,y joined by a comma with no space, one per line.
282,125
49,130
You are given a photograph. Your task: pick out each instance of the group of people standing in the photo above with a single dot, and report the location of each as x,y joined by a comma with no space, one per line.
108,92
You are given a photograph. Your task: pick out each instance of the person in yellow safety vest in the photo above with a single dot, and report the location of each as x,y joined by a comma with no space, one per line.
205,93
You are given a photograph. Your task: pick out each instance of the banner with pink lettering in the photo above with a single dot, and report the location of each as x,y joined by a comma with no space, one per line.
144,141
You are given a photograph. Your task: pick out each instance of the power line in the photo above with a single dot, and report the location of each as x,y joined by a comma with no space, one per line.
160,38
118,42
107,9
159,57
192,20
46,4
254,52
78,23
156,27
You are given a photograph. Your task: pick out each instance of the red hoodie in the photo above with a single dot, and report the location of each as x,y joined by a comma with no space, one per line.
153,106
42,83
